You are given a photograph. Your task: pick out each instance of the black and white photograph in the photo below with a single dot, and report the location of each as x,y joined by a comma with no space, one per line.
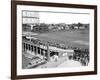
55,39
51,39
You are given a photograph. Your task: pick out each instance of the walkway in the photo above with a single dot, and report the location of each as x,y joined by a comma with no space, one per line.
70,63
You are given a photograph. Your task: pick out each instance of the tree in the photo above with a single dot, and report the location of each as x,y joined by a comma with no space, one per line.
79,25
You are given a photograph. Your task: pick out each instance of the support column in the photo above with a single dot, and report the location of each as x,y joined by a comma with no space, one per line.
36,50
33,49
44,52
24,46
40,51
29,47
48,52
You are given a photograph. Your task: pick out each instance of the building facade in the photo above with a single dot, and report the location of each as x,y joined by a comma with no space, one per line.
30,18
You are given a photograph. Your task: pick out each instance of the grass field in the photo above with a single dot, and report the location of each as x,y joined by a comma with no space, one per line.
75,38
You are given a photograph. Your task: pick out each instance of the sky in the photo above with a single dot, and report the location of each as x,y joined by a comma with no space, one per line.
68,18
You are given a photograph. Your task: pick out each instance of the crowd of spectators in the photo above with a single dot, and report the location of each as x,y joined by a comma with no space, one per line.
81,55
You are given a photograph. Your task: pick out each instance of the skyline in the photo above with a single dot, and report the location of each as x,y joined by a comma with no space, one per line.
55,17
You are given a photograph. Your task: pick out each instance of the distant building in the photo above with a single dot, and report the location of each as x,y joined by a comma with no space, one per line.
76,27
82,27
79,26
30,18
67,27
40,28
